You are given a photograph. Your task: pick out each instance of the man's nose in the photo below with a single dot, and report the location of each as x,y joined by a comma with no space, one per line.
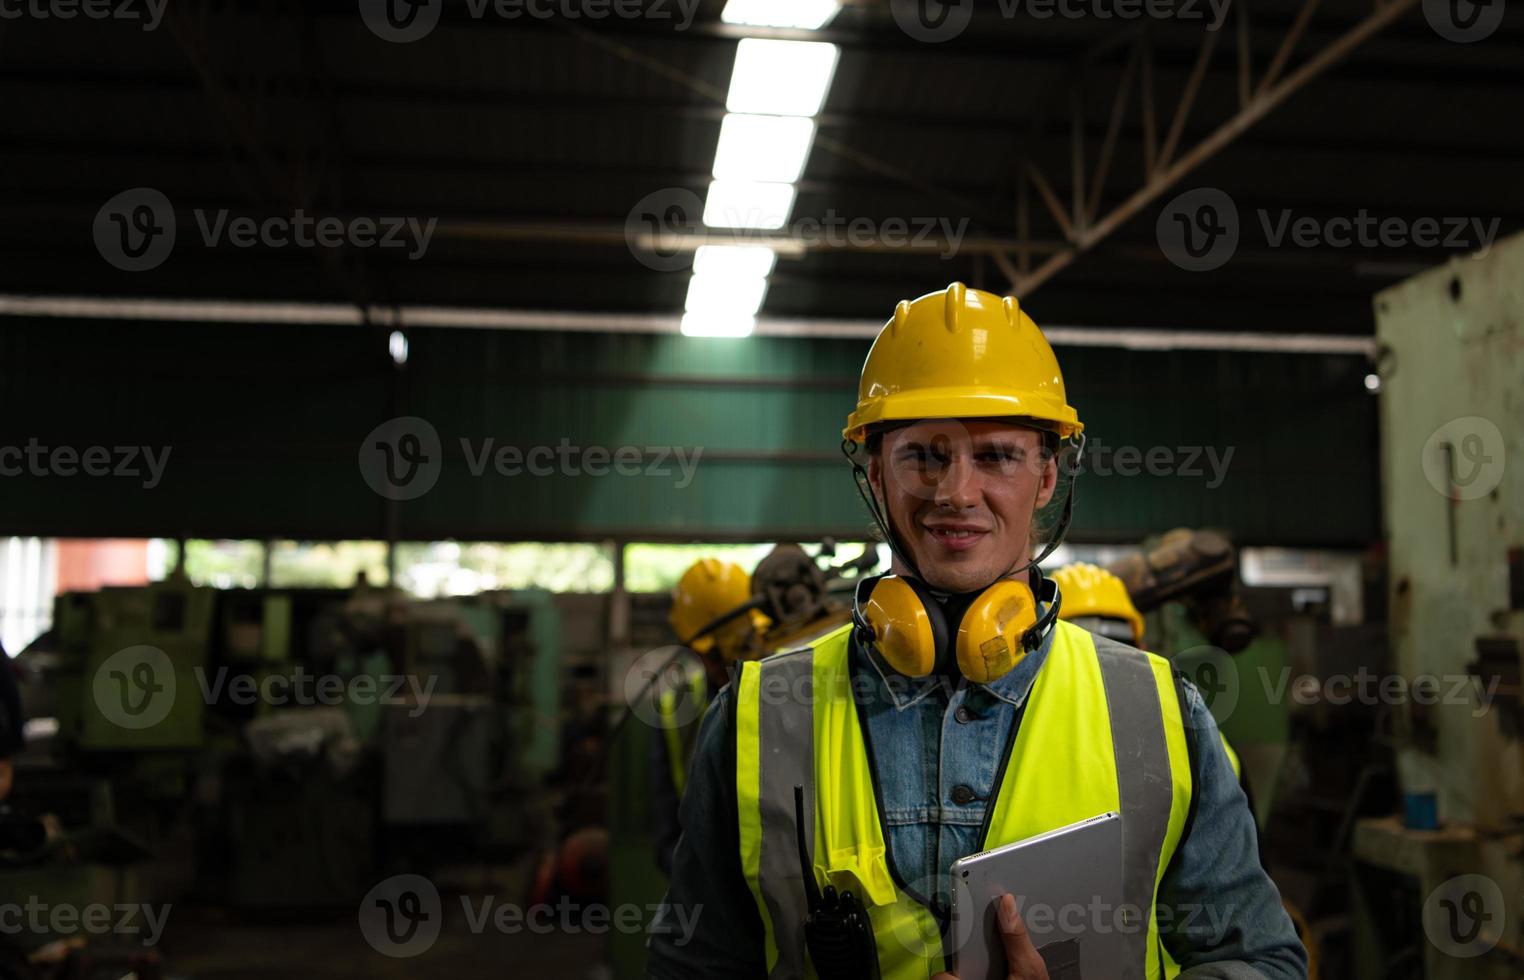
957,485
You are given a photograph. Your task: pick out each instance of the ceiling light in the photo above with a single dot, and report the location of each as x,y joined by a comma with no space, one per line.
717,325
725,295
809,15
734,261
781,78
748,204
769,148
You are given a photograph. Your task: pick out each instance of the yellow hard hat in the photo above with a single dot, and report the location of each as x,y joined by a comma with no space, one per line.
1091,591
961,353
709,589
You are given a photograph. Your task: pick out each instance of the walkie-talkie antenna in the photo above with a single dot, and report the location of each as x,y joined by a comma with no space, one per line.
811,887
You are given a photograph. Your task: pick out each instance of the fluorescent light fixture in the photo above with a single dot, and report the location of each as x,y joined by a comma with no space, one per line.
807,15
748,204
717,325
781,78
768,148
734,261
725,295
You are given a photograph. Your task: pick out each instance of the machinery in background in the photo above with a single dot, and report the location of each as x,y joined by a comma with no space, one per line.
283,749
1198,569
1436,885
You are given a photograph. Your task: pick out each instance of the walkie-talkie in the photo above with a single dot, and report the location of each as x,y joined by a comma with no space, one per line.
836,930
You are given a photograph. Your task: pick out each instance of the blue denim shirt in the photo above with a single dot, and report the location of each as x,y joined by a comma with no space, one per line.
1219,914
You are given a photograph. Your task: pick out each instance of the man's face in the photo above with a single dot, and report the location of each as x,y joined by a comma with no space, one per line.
960,495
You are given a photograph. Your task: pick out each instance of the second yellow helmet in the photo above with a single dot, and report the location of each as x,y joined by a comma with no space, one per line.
1088,590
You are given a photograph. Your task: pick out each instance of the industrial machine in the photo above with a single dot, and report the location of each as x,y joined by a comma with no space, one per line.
1436,889
303,739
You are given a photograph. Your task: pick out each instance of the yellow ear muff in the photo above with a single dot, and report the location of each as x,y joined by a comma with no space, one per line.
901,627
989,638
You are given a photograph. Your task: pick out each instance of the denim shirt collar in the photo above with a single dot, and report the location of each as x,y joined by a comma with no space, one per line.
903,692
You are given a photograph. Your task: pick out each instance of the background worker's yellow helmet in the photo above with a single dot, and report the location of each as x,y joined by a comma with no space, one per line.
961,353
709,589
1091,592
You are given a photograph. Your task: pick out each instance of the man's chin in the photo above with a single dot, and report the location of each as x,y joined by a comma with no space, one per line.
956,578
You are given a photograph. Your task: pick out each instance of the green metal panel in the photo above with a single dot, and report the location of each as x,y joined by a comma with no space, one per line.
265,426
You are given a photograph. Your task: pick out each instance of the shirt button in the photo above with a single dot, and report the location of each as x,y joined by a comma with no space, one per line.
963,715
962,795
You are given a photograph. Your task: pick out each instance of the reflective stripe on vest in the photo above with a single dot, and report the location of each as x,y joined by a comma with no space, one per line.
681,738
1102,732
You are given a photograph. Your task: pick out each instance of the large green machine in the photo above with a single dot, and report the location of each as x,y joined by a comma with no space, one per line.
302,738
1452,434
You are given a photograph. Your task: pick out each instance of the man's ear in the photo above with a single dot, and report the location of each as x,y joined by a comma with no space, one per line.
1049,484
876,478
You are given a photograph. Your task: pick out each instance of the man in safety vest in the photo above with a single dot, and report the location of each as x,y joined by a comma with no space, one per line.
708,591
1097,600
957,713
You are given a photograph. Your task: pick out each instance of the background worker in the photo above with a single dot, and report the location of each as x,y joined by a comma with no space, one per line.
954,714
707,591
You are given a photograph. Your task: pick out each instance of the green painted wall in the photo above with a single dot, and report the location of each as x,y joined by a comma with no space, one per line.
265,425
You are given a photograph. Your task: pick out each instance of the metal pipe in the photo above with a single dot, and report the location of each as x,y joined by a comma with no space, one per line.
477,318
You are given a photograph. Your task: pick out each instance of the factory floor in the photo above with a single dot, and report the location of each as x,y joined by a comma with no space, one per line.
205,943
209,945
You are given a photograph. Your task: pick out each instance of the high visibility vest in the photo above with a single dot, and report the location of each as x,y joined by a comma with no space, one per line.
1101,731
680,736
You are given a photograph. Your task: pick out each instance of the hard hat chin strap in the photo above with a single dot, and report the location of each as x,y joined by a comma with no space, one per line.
881,517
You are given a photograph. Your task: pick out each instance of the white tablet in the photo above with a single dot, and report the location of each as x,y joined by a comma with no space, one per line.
1068,888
